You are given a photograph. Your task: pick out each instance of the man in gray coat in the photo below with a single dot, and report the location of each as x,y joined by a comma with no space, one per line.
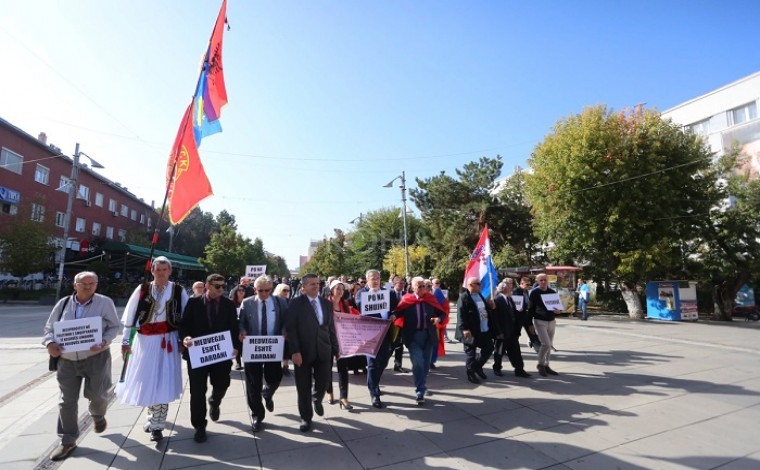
262,315
93,366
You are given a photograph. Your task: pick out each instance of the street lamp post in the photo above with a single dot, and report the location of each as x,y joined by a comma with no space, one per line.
403,202
71,190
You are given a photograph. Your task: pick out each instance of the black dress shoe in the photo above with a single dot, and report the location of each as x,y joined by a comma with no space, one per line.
156,436
269,404
498,373
551,371
433,366
200,435
257,424
286,371
213,413
522,373
471,377
305,426
542,370
398,369
318,409
377,403
481,374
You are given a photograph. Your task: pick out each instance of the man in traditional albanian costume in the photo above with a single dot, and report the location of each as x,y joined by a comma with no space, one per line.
154,372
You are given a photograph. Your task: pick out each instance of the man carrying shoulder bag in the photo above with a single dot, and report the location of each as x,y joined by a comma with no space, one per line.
92,365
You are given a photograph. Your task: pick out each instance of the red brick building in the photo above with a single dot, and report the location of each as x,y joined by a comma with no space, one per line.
35,173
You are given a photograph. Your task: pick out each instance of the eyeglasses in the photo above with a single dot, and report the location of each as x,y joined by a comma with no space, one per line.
285,290
263,291
218,286
474,283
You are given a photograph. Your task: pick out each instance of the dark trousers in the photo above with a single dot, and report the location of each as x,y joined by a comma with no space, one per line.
261,380
321,371
398,354
219,376
376,366
344,365
475,360
511,347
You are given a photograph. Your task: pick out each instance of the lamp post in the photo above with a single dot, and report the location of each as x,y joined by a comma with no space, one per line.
403,213
71,190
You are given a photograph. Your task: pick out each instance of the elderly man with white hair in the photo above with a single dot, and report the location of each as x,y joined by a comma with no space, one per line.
420,313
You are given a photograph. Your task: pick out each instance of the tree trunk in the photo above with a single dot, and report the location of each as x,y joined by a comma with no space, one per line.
632,300
723,297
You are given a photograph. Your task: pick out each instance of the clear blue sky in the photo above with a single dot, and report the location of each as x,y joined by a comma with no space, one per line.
329,100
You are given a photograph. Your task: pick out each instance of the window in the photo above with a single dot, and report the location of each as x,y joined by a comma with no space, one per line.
109,232
142,219
60,219
42,174
63,184
150,223
38,212
122,234
112,205
11,161
124,210
98,199
96,229
80,225
701,127
742,114
8,208
83,193
133,214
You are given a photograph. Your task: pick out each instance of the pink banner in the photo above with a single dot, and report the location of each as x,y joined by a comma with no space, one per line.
359,335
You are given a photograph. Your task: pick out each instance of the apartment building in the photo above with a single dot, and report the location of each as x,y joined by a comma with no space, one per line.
726,117
36,173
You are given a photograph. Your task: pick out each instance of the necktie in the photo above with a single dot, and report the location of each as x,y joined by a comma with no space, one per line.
264,319
316,309
420,321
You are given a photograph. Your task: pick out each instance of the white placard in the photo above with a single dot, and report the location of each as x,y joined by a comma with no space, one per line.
78,335
210,349
255,270
263,348
552,302
375,304
518,300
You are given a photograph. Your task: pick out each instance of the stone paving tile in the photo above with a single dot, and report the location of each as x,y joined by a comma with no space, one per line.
502,454
437,461
391,448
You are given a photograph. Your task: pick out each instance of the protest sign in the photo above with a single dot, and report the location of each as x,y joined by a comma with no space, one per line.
375,304
78,335
263,348
518,300
552,302
359,335
255,270
210,349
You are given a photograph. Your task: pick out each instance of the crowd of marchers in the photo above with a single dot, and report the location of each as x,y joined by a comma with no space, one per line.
161,320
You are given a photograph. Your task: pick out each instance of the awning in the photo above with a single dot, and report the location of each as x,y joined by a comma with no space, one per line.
178,261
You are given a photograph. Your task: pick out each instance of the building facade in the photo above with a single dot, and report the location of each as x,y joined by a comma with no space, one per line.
726,117
36,174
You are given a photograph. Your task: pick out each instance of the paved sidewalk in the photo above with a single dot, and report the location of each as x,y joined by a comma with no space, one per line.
632,395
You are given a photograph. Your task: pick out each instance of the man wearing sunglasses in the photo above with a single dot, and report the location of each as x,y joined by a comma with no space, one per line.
262,315
211,313
477,329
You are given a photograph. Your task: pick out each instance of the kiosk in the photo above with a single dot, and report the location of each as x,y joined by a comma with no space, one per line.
672,300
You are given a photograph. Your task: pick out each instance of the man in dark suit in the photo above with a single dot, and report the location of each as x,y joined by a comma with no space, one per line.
421,314
476,329
262,315
312,340
510,323
210,313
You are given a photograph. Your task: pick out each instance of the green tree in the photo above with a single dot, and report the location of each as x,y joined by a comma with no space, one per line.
376,233
455,210
419,260
191,235
225,218
521,246
24,246
228,252
277,265
728,250
621,191
330,256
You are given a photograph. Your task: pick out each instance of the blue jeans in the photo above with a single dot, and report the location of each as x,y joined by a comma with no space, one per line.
584,309
420,351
